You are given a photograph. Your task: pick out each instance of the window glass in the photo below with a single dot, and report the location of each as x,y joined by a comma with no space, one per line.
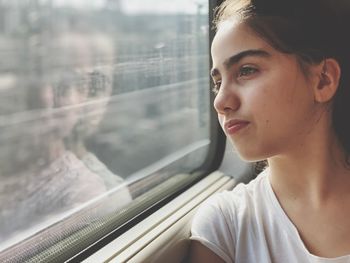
100,102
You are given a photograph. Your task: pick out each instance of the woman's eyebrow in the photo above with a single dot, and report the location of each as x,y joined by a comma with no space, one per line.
239,56
246,53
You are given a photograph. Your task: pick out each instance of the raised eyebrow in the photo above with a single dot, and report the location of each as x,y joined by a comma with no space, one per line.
246,53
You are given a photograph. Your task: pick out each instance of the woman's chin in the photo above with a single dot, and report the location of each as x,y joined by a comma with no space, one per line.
250,155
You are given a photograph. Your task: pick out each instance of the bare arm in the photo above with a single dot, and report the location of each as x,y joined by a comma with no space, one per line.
202,254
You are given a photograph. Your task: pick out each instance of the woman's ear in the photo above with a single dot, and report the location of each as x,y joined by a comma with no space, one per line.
329,75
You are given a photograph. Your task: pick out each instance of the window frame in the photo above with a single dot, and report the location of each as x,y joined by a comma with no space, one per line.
211,163
139,212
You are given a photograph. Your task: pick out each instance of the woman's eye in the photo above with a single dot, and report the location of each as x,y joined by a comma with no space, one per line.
246,71
216,87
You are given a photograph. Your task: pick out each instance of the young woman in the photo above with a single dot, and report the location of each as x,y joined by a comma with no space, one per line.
281,72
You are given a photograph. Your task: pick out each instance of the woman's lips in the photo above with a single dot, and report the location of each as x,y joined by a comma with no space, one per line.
233,126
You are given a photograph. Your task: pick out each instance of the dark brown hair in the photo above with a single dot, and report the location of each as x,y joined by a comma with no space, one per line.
312,30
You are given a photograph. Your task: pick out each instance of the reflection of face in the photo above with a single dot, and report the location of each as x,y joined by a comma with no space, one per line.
264,101
69,111
99,90
91,57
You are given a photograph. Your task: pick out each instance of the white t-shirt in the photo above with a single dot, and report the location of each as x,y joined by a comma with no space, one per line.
248,225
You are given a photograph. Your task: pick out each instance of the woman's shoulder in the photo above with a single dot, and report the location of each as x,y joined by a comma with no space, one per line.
242,195
236,203
219,220
234,210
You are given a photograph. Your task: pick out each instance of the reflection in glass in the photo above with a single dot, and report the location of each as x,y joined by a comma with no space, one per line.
99,103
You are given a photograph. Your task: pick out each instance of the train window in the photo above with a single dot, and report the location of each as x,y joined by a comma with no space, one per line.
104,112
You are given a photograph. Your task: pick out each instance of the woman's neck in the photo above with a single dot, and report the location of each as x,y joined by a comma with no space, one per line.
56,149
315,170
79,148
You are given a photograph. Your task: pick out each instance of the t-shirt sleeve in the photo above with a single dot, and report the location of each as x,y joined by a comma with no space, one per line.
212,227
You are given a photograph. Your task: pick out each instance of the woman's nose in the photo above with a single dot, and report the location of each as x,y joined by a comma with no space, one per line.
226,100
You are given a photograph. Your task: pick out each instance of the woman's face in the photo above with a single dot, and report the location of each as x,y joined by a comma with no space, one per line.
264,102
